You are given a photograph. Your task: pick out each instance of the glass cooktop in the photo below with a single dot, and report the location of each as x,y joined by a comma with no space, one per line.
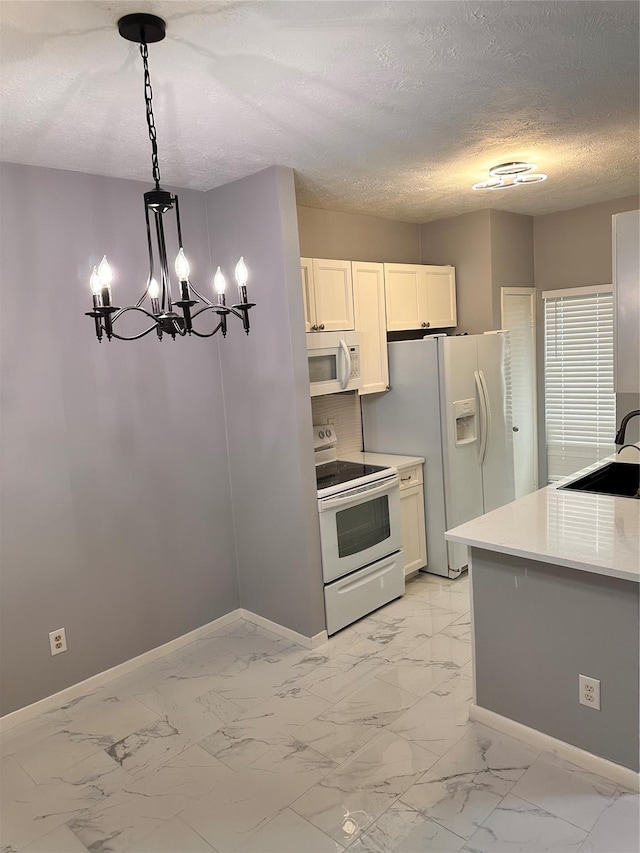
336,473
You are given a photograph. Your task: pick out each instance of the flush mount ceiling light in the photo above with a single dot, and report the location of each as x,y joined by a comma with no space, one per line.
146,29
510,175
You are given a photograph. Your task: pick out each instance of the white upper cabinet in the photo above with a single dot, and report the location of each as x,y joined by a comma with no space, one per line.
370,319
441,296
328,295
419,296
626,294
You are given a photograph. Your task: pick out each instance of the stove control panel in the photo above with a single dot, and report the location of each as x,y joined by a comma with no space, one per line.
324,435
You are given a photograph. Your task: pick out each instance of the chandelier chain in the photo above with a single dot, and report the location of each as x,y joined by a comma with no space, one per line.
148,100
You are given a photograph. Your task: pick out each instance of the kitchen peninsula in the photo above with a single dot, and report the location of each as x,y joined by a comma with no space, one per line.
555,582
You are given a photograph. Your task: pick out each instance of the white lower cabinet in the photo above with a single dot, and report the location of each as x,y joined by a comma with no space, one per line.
414,539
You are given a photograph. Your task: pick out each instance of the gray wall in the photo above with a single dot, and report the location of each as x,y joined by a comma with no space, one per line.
352,237
572,248
511,256
490,249
115,505
465,242
269,423
537,628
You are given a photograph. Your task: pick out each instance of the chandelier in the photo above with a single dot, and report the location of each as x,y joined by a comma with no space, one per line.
510,175
146,29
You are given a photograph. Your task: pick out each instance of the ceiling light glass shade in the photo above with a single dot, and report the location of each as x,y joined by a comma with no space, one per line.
504,185
530,179
514,168
510,175
488,184
144,29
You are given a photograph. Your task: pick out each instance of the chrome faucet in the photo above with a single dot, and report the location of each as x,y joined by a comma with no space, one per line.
619,439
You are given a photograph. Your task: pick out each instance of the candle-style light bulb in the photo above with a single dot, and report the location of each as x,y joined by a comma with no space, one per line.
105,274
242,274
105,277
241,277
94,282
219,282
153,289
182,266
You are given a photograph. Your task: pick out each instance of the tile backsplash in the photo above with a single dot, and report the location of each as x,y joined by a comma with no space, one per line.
344,410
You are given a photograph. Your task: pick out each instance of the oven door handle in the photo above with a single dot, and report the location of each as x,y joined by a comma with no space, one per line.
357,495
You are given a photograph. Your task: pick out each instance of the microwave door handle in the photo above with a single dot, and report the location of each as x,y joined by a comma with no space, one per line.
331,503
347,364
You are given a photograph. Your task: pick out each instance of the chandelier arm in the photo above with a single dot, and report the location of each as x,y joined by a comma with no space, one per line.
219,309
149,243
134,337
122,311
201,298
179,227
164,265
208,334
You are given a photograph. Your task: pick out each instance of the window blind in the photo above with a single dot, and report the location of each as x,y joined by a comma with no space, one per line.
578,378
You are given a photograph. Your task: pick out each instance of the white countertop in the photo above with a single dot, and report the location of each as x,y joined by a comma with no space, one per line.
391,459
592,533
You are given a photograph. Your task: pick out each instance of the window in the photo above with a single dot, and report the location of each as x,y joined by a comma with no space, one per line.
578,378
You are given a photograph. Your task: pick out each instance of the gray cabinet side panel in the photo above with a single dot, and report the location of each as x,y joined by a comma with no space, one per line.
406,420
537,628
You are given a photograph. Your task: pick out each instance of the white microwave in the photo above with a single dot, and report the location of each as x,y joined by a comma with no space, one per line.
334,362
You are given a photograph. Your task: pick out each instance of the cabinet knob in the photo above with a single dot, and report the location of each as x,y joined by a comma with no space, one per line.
516,429
321,327
314,328
426,325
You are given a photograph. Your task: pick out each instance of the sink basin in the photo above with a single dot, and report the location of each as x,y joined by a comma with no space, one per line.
621,479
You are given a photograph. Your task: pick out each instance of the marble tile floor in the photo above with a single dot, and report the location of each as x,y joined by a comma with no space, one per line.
243,742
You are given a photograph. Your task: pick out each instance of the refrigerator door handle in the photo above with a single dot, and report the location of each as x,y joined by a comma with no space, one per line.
482,445
487,409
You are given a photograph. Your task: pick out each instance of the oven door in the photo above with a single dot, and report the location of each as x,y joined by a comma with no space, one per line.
359,526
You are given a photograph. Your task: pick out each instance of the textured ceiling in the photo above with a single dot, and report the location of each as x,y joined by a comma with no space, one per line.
388,108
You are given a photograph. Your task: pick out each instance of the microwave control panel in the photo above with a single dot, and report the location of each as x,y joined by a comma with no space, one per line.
354,354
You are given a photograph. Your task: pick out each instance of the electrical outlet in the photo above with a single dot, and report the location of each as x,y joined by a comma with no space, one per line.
58,641
589,692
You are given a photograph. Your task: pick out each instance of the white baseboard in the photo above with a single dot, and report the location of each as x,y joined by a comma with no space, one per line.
287,633
22,715
593,763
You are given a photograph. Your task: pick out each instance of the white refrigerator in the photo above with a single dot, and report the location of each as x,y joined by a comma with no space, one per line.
449,403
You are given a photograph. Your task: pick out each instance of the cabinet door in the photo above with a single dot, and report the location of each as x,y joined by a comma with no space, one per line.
306,267
333,290
414,541
403,284
440,292
370,320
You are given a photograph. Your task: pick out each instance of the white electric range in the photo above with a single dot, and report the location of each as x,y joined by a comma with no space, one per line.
360,533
